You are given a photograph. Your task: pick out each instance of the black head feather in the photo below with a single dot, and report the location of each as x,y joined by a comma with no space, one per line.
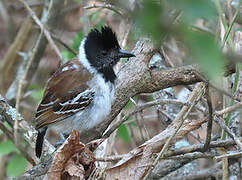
101,48
104,39
103,51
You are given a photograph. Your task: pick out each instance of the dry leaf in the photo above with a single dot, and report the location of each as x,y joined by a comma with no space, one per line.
73,160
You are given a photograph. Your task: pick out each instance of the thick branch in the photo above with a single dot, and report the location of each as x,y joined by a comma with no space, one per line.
136,77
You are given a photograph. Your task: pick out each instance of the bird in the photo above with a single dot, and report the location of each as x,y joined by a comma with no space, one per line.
80,93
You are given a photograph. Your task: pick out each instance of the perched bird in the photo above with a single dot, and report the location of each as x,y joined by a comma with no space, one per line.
79,94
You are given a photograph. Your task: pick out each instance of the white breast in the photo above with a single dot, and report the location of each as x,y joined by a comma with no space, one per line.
102,102
100,107
95,113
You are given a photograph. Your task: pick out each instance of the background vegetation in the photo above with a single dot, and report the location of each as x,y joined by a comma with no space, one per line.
202,38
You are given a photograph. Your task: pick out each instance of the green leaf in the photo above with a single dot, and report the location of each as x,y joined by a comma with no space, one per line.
132,123
128,105
149,20
123,133
7,147
77,41
34,87
66,54
193,9
16,165
75,45
204,50
37,95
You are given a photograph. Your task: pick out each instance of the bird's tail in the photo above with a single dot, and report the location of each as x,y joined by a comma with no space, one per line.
39,142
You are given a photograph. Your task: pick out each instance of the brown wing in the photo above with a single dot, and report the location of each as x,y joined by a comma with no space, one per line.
66,93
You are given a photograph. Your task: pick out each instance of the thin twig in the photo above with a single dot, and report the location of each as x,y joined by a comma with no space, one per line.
193,98
210,120
209,173
192,156
109,158
64,44
21,83
197,147
139,108
228,131
234,155
107,6
215,87
228,109
45,31
231,25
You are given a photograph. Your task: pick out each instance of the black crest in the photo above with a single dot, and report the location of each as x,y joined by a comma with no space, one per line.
105,39
101,48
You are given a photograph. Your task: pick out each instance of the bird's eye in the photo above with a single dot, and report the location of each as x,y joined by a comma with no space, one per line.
104,53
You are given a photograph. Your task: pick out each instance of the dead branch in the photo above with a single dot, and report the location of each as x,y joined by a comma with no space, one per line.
194,155
229,155
210,120
139,108
10,61
228,131
229,109
181,117
134,77
28,133
106,6
214,171
197,147
140,158
45,31
165,167
20,88
51,23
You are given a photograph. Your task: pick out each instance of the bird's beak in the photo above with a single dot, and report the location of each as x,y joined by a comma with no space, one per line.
125,54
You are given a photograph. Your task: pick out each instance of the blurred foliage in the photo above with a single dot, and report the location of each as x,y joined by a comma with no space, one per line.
149,20
7,147
205,51
80,35
75,45
78,1
158,20
17,163
95,19
192,10
37,92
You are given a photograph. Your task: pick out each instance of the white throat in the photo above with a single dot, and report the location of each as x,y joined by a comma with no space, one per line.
83,59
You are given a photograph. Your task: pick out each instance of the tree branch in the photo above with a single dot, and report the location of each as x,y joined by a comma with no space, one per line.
134,77
45,31
28,133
